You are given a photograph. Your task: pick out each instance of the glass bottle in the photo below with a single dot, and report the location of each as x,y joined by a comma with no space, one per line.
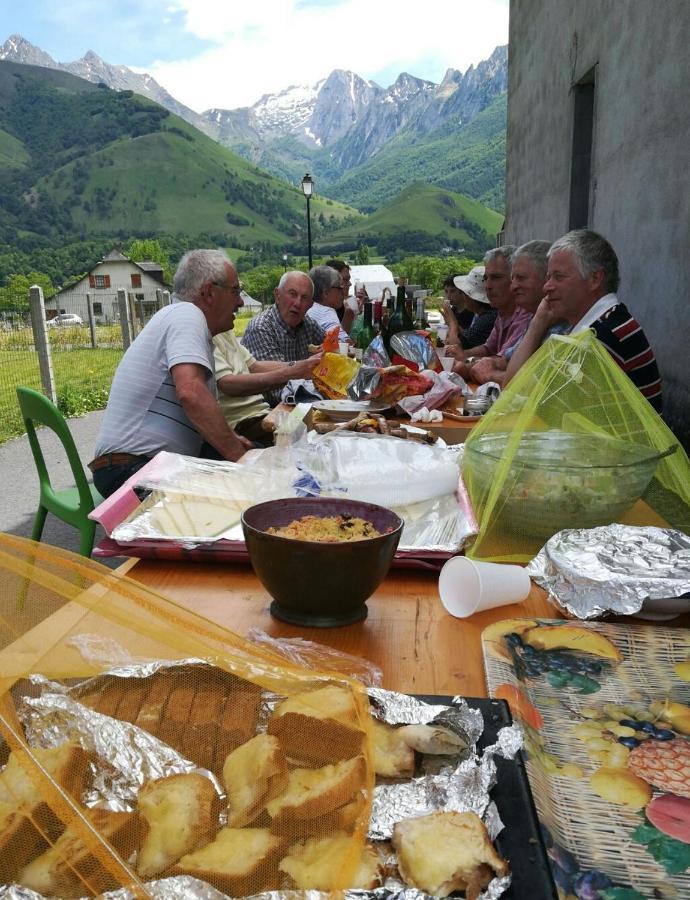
367,332
420,321
401,319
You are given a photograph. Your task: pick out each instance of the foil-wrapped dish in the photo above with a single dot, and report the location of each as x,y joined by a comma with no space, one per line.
185,780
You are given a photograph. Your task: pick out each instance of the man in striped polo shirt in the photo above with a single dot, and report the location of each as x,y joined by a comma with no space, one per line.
580,288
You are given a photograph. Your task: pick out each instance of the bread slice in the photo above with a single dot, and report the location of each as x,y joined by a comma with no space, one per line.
70,869
27,821
325,864
315,727
393,757
253,775
445,852
311,793
181,812
240,861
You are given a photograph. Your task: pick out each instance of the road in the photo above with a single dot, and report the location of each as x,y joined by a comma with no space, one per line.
20,482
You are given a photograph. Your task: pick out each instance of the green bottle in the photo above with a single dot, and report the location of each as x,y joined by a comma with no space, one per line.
367,332
401,319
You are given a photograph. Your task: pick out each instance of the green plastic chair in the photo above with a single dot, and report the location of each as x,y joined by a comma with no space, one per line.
71,505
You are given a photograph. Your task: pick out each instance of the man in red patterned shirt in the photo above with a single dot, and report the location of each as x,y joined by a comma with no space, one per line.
581,284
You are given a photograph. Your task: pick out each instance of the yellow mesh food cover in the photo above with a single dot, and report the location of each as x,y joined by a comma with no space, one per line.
571,443
139,741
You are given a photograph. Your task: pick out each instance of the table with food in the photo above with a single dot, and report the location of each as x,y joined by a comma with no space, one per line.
356,661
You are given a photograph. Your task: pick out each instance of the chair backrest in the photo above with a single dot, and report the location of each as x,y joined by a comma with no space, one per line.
36,408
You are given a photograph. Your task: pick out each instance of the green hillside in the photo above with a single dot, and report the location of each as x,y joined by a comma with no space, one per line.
88,162
469,160
426,217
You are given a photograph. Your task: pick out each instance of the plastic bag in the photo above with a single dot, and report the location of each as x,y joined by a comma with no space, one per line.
333,374
113,776
571,443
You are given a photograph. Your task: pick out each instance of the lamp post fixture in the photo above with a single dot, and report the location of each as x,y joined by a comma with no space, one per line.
308,190
285,260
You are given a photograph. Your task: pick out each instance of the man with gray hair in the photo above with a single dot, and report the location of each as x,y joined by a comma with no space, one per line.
511,321
284,332
328,297
163,395
580,288
527,277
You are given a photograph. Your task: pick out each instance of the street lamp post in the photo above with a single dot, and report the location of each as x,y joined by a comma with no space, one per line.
285,259
307,190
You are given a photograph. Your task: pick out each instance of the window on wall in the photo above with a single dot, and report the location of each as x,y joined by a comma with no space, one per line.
136,281
581,159
101,281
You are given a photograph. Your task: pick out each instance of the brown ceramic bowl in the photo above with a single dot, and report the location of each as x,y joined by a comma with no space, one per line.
317,584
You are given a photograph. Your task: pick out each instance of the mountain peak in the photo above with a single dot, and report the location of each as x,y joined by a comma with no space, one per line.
17,49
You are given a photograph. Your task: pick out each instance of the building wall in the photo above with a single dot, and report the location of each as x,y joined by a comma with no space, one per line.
73,298
640,189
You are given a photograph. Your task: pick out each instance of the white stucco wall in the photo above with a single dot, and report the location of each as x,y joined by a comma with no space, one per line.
640,196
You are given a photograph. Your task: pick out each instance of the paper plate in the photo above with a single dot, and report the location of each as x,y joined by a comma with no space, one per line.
344,410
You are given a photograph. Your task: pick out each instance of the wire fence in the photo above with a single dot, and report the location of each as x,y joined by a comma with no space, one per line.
69,347
73,356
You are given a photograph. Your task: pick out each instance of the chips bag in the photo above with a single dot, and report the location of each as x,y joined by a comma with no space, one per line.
333,374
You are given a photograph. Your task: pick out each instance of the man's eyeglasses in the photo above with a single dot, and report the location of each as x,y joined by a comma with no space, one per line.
235,289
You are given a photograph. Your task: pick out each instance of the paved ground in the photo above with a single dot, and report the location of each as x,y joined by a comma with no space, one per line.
19,491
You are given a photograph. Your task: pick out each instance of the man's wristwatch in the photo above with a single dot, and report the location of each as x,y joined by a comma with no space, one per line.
470,359
291,363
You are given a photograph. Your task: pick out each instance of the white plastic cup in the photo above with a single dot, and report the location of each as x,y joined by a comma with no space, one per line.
343,347
467,586
447,362
442,332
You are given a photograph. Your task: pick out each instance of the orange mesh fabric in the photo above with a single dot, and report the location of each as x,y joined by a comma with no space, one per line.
279,774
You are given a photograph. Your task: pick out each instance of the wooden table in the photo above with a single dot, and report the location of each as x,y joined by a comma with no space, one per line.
419,646
452,430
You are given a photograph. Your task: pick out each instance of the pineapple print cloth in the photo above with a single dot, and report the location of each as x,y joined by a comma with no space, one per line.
606,714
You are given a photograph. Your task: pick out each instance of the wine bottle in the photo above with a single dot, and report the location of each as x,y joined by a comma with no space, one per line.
401,319
367,332
420,321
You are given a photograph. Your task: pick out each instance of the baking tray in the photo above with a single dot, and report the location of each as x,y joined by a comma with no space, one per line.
223,551
520,842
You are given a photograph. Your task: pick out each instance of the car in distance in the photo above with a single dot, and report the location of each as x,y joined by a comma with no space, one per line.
65,319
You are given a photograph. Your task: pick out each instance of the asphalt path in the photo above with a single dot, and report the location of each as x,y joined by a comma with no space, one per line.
19,482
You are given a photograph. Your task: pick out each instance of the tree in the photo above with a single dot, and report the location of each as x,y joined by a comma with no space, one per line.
150,249
14,297
362,255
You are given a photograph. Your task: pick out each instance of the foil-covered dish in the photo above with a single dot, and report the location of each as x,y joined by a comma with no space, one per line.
614,569
136,747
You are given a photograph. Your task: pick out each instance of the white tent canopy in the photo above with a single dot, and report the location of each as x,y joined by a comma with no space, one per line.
250,302
374,277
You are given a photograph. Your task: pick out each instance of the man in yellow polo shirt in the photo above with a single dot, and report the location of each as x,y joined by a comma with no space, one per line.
242,381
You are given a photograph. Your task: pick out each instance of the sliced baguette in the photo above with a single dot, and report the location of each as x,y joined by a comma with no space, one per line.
70,869
27,821
393,757
240,861
315,727
312,793
254,774
445,852
326,864
181,813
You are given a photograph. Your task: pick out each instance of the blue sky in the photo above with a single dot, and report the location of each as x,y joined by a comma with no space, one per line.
227,53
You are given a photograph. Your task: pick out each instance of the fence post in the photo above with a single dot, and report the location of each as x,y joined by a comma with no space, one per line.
166,298
92,320
41,342
125,323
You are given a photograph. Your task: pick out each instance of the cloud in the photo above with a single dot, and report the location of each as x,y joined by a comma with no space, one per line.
260,47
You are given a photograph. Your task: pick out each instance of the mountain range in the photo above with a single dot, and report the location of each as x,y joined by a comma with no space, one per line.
344,128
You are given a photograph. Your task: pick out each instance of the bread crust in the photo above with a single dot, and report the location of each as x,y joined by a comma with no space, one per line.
254,774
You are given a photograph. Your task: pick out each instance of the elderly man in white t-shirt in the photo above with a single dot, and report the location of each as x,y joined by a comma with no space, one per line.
163,395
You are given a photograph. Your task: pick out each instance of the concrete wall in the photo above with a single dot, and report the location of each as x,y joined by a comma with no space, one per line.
640,186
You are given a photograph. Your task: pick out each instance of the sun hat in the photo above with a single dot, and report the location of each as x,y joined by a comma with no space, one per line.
472,284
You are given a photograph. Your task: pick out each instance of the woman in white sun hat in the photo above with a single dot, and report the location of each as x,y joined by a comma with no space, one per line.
471,287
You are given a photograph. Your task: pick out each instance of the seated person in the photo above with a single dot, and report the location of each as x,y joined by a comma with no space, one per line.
283,332
470,288
241,381
455,300
328,297
343,270
163,395
581,285
511,321
528,274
